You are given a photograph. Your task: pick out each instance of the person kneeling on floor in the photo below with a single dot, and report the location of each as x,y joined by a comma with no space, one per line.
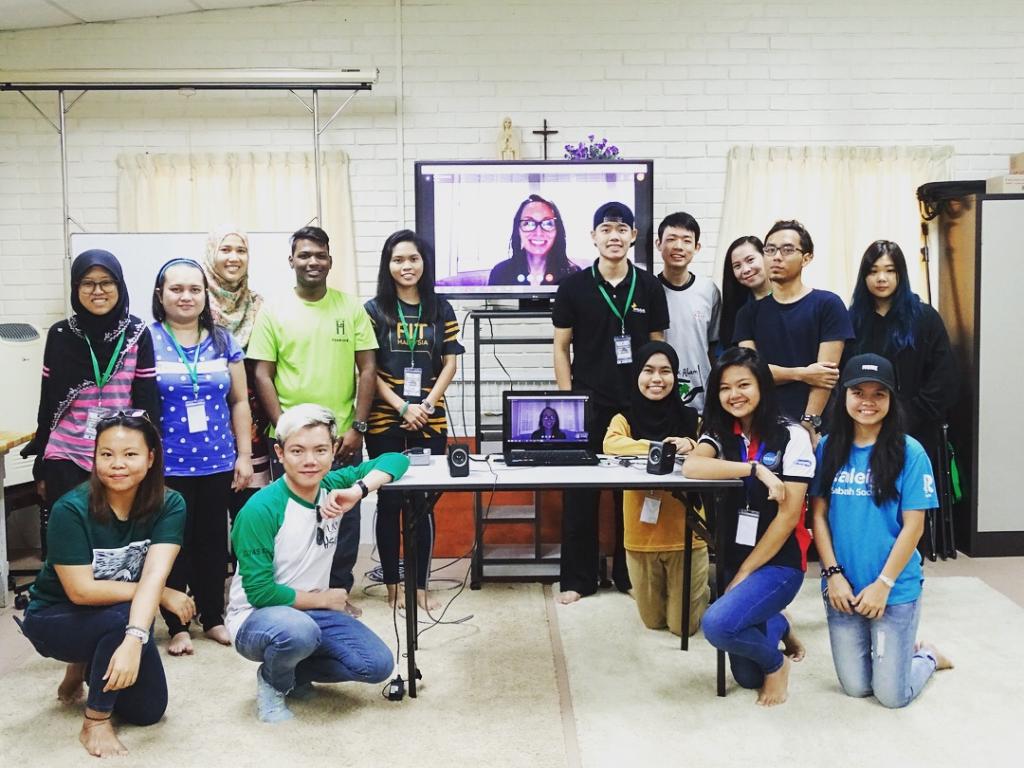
281,610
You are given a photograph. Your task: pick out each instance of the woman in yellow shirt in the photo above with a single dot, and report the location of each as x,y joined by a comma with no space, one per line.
655,521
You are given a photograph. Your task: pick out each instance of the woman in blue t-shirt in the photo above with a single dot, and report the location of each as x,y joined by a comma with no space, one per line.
112,541
206,426
417,356
766,554
868,498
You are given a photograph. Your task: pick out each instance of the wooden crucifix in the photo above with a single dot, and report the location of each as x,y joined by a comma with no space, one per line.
545,132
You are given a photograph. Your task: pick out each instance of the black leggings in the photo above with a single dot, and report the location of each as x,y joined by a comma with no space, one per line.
391,505
201,564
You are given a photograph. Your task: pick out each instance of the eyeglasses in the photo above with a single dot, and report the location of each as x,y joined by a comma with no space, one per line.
90,286
530,225
786,250
131,413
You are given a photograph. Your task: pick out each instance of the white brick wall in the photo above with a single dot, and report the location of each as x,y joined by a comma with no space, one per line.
677,81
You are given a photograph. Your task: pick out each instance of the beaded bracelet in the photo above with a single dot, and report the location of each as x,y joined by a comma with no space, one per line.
832,570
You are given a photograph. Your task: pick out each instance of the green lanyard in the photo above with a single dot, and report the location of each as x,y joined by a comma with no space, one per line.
608,299
411,331
101,381
193,370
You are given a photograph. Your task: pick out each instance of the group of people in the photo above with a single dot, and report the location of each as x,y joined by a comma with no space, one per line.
885,369
148,437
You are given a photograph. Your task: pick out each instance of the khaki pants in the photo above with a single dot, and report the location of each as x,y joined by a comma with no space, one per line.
657,579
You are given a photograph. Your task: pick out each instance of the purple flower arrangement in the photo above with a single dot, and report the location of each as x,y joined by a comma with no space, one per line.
592,150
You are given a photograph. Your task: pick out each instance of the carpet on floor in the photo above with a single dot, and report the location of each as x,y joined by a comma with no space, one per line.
639,700
488,698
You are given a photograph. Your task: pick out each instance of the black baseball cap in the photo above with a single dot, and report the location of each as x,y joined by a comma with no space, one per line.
862,368
614,212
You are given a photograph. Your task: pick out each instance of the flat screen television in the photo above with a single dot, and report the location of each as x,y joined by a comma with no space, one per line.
485,221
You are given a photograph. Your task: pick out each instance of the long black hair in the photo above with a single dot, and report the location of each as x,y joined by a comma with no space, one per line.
149,496
734,293
887,454
387,296
905,309
556,427
217,334
556,261
766,424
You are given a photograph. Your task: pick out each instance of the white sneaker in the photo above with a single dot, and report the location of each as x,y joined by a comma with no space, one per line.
270,702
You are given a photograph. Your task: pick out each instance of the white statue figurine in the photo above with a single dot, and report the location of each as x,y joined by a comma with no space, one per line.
508,141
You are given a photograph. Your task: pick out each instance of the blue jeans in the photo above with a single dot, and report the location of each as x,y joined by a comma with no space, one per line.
877,655
320,646
347,551
81,633
747,624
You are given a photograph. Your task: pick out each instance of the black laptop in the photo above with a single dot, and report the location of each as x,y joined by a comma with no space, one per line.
546,428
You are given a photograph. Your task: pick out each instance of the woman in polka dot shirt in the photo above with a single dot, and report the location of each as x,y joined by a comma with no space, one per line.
206,425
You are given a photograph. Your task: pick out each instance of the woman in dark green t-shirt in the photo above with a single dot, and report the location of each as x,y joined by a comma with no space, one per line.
112,542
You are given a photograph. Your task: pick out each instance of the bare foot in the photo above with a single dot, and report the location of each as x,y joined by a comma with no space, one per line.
353,610
98,737
427,601
72,687
180,645
568,597
776,685
791,645
941,660
219,633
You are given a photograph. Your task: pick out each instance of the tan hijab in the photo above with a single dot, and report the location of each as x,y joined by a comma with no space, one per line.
234,306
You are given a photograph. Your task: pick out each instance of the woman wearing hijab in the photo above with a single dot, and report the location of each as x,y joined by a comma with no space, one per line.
97,361
655,521
234,307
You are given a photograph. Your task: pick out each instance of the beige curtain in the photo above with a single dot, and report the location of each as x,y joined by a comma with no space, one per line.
847,197
258,191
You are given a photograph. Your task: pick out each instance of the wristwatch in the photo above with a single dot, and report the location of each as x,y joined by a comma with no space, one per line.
813,419
428,407
363,488
137,632
360,427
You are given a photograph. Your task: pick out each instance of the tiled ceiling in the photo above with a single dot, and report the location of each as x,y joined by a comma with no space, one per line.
31,14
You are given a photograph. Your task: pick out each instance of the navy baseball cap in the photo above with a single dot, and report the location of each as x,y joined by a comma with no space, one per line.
614,212
863,368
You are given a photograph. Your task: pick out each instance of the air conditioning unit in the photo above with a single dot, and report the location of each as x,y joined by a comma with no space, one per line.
21,366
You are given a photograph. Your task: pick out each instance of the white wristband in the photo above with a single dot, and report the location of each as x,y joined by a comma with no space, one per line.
138,633
886,580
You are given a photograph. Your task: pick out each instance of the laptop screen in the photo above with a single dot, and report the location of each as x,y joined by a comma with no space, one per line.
551,419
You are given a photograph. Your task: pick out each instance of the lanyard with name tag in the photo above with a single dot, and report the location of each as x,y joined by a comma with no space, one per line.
195,409
746,527
623,341
651,509
412,376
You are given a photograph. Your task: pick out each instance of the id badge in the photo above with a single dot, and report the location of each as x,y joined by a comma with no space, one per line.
623,350
746,527
651,509
413,382
92,418
196,412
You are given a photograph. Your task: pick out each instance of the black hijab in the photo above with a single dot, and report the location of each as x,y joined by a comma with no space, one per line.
658,419
67,360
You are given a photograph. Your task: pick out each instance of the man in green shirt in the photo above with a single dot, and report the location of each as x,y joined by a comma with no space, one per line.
282,610
309,347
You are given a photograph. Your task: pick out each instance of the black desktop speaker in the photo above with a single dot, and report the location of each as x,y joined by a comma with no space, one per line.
661,458
458,460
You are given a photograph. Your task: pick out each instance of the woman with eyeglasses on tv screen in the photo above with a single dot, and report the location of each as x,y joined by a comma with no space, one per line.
100,358
537,245
112,544
206,428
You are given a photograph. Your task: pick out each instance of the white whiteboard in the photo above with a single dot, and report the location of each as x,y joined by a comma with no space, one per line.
142,254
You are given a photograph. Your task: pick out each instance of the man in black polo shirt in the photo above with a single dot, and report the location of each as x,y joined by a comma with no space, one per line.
606,313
